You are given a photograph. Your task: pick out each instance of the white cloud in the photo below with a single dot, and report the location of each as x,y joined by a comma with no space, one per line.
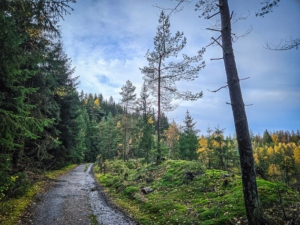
107,41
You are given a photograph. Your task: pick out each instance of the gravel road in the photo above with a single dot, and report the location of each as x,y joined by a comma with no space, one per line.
72,200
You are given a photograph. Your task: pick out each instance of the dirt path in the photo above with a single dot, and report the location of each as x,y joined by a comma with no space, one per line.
72,200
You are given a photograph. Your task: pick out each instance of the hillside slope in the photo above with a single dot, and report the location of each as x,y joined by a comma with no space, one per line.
183,192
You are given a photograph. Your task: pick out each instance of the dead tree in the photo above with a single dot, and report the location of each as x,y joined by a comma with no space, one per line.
224,40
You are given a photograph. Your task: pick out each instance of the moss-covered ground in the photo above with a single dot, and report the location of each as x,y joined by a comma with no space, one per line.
13,208
211,197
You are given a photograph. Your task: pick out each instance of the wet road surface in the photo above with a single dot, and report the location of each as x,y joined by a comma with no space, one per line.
73,199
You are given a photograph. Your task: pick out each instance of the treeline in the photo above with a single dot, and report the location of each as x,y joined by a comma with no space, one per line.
277,156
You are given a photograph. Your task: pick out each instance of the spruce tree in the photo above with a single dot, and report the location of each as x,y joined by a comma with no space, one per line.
188,140
128,100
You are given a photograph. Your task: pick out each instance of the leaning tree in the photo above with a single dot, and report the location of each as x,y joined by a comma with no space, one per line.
209,9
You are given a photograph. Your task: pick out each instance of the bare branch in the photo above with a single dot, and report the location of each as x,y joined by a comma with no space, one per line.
290,44
219,88
248,105
219,44
228,103
213,29
245,78
241,17
175,9
216,58
213,41
231,15
209,17
248,31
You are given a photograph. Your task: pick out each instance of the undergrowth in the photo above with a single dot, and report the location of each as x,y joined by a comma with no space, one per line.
11,209
209,197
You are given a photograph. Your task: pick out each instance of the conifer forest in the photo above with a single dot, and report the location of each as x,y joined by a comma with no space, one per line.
47,123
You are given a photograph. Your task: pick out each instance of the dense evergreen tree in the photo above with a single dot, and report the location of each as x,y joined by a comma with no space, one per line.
128,100
144,104
30,77
188,141
267,139
219,147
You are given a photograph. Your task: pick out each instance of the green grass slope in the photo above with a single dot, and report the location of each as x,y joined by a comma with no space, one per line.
13,208
208,198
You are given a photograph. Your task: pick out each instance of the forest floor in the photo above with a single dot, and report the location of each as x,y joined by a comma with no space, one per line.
74,199
183,192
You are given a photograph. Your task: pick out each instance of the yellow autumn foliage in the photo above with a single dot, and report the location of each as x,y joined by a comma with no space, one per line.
297,156
278,156
203,149
203,143
61,91
33,32
274,170
97,104
274,138
256,160
150,120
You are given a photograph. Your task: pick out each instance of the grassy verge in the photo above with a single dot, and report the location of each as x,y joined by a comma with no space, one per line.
12,209
175,199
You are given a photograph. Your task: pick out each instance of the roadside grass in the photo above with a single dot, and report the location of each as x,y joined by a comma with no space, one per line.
13,208
93,219
206,199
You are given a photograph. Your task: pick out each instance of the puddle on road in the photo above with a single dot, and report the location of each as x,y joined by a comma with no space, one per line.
105,215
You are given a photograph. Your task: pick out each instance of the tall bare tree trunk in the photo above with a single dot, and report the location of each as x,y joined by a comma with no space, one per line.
158,160
252,203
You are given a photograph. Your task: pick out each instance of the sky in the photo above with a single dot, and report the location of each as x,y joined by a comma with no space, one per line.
107,41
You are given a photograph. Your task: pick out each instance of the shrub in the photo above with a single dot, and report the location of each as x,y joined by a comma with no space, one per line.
130,191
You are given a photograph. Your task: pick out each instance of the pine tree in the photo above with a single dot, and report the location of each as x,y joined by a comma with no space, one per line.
162,74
